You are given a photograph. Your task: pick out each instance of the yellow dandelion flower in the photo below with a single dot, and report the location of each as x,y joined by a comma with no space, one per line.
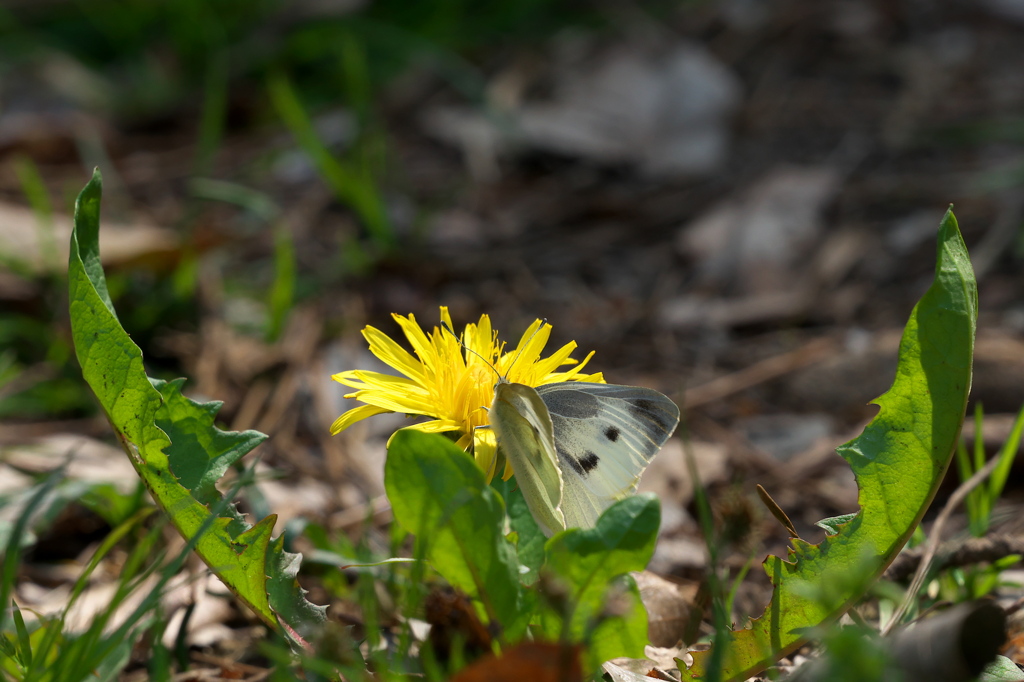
452,386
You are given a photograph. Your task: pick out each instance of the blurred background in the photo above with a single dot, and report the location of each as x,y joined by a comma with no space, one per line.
733,201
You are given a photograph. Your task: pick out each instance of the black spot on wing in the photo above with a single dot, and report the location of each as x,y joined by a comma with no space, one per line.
611,433
581,465
589,461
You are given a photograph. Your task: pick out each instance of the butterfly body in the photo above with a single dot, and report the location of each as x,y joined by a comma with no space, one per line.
588,442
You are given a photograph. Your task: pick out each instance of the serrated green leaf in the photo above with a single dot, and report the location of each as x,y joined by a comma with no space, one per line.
190,426
589,561
899,461
438,494
173,444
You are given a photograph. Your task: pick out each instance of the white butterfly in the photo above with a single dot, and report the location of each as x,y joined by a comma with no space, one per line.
578,447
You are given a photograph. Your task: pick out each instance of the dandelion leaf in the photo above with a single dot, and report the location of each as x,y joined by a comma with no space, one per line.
899,461
439,494
593,564
174,446
530,539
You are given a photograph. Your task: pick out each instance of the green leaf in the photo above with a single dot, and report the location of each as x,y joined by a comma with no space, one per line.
190,426
438,494
899,461
833,524
622,632
173,444
530,538
1001,670
589,561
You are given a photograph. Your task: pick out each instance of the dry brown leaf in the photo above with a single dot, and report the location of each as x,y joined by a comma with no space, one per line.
452,619
618,673
12,480
40,248
529,661
211,610
86,459
673,613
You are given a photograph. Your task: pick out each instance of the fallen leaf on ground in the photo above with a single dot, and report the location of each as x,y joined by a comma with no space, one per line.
532,661
673,614
32,245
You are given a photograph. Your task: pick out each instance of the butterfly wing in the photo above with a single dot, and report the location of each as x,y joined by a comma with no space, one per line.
526,437
605,435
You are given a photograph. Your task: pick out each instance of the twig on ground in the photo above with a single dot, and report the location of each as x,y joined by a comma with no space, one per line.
959,552
810,353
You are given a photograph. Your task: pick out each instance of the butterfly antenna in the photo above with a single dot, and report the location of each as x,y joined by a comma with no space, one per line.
444,326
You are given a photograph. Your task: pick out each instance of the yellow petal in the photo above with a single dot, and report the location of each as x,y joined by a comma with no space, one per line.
406,404
444,337
436,426
392,354
532,342
444,346
480,339
555,360
352,416
597,378
508,472
419,427
345,377
574,374
449,351
365,379
418,340
485,451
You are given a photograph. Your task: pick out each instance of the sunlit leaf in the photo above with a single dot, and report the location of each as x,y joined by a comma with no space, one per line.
173,444
438,494
604,612
899,461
